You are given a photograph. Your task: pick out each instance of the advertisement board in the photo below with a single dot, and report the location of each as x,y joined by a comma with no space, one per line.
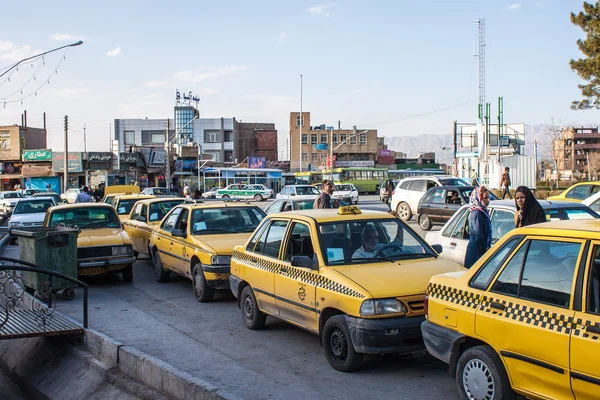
95,156
365,163
45,184
37,155
74,162
257,162
12,167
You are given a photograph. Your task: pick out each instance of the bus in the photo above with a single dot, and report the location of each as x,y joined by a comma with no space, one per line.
365,179
399,174
308,177
288,178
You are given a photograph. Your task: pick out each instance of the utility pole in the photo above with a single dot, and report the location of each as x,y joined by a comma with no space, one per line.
85,151
500,123
66,167
301,123
168,159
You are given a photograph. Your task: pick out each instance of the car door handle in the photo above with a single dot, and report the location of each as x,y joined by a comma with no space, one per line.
497,306
453,244
592,328
283,269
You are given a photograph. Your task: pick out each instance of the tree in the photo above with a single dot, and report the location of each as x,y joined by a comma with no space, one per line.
588,68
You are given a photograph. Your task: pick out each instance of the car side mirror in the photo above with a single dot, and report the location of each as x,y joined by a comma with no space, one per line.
178,233
305,262
438,248
141,218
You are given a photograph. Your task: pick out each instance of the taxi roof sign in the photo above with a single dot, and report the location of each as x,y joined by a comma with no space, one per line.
349,210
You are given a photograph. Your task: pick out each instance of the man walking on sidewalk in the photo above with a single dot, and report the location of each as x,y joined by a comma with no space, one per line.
506,184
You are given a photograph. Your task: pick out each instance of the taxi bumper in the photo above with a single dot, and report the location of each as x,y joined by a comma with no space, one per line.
385,335
442,343
106,263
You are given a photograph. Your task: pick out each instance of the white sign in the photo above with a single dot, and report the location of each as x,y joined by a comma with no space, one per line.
355,163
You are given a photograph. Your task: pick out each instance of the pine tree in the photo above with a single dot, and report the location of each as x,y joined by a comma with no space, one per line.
588,68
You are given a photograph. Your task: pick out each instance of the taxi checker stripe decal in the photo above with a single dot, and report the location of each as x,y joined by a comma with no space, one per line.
287,300
307,277
517,312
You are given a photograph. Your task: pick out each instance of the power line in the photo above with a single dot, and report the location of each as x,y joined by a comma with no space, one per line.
420,115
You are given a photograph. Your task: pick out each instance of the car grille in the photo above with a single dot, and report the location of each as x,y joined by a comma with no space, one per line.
416,305
93,252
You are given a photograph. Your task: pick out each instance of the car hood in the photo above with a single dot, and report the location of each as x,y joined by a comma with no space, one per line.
24,218
221,244
342,193
12,202
400,278
102,237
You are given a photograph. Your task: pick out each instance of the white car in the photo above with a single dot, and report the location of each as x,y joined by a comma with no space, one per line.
346,192
408,192
241,191
8,201
454,236
30,212
593,202
268,193
70,195
158,192
210,193
298,192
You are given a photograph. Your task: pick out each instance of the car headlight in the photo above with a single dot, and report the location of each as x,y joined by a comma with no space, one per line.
220,260
382,306
14,224
122,250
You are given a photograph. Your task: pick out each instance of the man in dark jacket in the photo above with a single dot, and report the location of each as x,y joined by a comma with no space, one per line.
324,199
506,183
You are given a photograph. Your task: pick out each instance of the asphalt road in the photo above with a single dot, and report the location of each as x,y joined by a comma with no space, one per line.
209,341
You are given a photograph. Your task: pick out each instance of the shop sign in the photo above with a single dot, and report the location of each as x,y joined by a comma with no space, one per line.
99,157
365,163
145,152
74,162
184,165
157,158
128,158
12,167
37,155
285,165
385,153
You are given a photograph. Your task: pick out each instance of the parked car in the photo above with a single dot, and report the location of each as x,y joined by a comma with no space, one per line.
454,235
593,202
102,244
240,191
158,192
8,201
210,193
110,192
57,199
70,195
578,192
306,268
408,193
265,189
345,192
441,202
525,319
29,213
298,192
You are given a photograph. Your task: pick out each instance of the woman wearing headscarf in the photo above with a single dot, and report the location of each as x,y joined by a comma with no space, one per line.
529,211
480,226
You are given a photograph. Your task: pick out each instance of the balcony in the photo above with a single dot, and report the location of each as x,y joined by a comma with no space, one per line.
228,146
213,146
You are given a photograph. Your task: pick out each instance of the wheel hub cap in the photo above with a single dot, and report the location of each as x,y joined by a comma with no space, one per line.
337,343
248,308
478,381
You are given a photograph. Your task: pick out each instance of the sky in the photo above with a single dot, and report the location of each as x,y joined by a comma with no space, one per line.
401,67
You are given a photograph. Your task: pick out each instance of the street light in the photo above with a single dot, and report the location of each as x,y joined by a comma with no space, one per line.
38,55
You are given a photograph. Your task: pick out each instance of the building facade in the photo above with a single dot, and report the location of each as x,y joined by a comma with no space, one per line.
14,140
312,149
575,147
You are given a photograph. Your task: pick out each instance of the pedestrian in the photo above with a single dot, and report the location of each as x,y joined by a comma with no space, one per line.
187,193
505,181
529,210
389,188
324,199
480,226
83,197
197,195
474,178
99,192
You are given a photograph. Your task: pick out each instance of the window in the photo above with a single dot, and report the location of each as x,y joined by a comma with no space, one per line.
353,139
595,206
182,223
363,138
593,292
579,192
256,237
136,211
323,138
143,211
298,121
158,138
227,137
304,156
343,137
159,210
213,137
458,216
418,185
299,243
438,196
314,157
271,242
335,138
129,137
229,156
502,222
313,139
488,271
324,157
169,222
208,221
461,231
5,141
304,138
546,272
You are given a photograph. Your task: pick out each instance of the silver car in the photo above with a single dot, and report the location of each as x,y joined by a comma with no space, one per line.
29,213
454,236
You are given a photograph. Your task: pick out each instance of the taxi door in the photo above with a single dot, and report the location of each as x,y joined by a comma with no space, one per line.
179,249
585,336
526,315
295,287
164,241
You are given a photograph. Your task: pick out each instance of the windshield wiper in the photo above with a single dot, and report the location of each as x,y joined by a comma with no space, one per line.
210,231
352,260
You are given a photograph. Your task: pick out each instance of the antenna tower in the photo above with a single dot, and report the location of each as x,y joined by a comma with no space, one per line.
481,56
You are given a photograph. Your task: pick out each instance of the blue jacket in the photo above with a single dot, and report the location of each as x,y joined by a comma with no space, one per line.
480,237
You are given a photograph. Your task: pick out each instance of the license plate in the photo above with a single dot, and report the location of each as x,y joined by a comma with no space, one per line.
93,271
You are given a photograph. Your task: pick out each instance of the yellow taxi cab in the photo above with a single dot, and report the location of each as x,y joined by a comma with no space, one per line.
356,279
578,192
102,244
196,240
115,190
145,216
124,204
525,319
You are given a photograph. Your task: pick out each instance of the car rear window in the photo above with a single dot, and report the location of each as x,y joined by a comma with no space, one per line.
453,182
559,214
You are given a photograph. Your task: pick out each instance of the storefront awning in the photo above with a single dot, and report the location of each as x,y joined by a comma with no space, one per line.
32,170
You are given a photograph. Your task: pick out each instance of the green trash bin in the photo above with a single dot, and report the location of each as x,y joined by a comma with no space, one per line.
50,248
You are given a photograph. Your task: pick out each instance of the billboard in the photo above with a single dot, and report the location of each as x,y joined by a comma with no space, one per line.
74,162
257,162
37,155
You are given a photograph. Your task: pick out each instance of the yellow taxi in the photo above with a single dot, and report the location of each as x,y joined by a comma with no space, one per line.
525,319
102,244
145,216
110,192
578,192
196,240
124,204
355,278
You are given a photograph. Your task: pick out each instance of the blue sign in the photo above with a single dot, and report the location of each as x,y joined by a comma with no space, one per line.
321,146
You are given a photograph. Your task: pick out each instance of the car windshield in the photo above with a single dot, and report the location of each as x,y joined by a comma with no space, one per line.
225,220
343,188
109,199
453,182
160,191
85,218
306,190
32,206
304,205
365,241
159,210
13,195
125,206
559,214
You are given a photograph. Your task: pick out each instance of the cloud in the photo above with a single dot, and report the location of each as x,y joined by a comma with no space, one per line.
63,37
72,93
514,7
318,10
282,37
114,52
9,51
158,84
208,91
198,77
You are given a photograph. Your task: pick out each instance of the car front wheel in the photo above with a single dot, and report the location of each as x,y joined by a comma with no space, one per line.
425,222
159,272
202,291
338,346
480,375
258,197
404,211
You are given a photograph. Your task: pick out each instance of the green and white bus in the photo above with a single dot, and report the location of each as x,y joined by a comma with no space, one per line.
308,177
365,179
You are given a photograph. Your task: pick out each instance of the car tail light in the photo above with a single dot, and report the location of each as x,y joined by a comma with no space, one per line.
426,304
393,191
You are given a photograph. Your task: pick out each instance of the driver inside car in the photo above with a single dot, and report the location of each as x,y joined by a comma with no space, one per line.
370,243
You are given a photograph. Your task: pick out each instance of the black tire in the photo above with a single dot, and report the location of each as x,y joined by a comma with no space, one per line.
338,346
68,293
127,273
136,254
225,196
258,197
253,318
201,289
404,211
160,274
480,374
425,222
